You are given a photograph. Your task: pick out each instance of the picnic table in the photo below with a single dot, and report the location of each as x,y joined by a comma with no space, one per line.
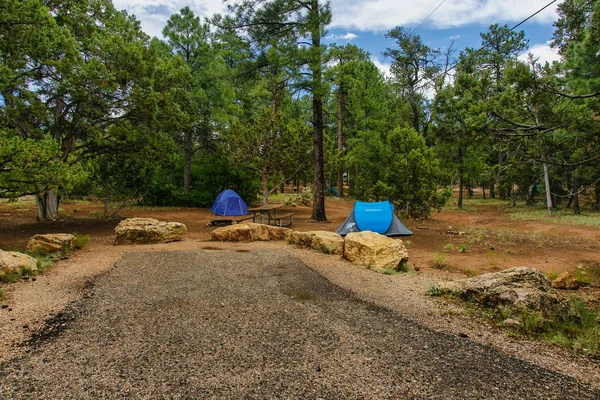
266,209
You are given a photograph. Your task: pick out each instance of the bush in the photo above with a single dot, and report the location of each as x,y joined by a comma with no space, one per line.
81,240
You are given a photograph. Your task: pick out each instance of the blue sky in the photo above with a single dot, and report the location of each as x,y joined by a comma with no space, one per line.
365,22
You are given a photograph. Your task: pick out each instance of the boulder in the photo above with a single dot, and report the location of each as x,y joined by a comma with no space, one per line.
148,230
14,262
515,288
323,241
51,243
250,233
565,281
377,252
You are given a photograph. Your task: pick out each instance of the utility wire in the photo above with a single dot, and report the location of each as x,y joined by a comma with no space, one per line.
476,51
426,18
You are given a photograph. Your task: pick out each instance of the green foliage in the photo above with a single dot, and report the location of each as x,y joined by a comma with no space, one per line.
470,272
435,291
2,295
81,240
449,247
439,262
462,248
210,175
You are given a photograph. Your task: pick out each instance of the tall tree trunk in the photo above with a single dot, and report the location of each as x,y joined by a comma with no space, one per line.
597,192
265,185
483,191
460,178
492,191
576,209
318,212
340,141
47,205
187,166
548,193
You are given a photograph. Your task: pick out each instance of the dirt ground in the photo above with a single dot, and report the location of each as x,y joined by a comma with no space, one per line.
492,241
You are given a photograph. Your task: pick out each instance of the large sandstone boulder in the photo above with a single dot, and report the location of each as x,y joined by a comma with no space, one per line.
148,230
515,288
250,233
323,241
13,262
377,252
51,243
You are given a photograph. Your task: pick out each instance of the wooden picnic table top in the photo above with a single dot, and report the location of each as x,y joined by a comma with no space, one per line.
267,207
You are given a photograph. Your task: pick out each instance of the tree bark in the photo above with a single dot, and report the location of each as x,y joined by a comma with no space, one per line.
548,193
576,209
597,192
47,205
340,141
318,212
187,167
265,185
460,178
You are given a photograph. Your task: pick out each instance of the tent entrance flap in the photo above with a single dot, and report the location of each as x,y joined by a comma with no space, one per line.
376,217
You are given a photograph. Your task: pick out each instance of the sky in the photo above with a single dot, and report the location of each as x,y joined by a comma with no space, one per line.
365,22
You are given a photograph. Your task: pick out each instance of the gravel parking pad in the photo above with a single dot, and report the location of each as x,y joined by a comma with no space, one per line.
260,324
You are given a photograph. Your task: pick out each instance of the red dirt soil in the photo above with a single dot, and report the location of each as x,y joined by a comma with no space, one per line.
491,239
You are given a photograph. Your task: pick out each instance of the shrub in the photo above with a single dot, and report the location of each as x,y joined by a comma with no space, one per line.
439,262
81,240
462,248
435,291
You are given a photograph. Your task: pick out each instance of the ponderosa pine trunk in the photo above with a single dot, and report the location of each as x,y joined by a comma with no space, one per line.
548,193
576,209
460,178
47,205
318,212
340,141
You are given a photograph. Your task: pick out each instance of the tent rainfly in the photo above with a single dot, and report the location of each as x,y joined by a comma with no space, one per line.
229,203
375,217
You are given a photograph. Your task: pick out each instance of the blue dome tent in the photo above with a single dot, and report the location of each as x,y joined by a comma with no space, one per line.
229,203
375,217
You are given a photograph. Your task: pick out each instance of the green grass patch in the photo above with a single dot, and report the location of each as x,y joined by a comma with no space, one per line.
81,240
577,329
449,247
1,295
435,291
462,248
439,262
561,216
470,272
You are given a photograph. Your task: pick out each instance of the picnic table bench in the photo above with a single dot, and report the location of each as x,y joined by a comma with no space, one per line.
279,218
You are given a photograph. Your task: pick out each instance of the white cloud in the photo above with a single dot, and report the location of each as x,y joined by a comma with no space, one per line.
385,68
381,15
542,52
153,14
348,36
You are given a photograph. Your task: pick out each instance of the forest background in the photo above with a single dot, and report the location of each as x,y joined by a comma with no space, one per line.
248,100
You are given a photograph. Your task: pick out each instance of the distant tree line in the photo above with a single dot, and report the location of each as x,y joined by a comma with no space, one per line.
91,105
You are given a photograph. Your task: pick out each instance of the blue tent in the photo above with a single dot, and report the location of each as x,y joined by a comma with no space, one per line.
375,217
229,203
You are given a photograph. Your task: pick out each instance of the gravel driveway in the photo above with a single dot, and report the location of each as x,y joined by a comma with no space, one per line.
260,324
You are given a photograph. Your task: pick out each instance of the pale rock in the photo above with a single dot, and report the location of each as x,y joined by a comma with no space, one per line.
12,262
512,323
51,243
148,230
377,252
515,288
250,233
323,241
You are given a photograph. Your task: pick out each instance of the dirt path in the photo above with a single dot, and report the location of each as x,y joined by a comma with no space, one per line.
259,324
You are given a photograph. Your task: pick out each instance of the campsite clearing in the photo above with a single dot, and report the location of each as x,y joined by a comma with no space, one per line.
490,238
